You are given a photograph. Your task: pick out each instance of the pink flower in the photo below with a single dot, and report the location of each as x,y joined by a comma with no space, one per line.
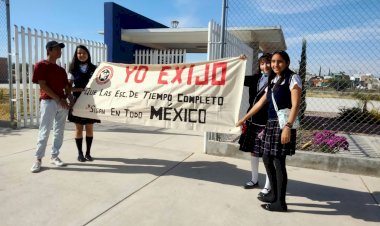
328,139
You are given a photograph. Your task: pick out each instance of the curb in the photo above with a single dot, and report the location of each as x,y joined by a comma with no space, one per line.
304,159
8,124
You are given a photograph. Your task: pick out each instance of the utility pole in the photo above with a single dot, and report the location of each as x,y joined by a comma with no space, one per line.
223,28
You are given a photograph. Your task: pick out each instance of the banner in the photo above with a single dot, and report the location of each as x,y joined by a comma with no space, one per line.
203,96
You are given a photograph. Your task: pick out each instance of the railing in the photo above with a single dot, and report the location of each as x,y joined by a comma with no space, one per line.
29,46
233,47
155,56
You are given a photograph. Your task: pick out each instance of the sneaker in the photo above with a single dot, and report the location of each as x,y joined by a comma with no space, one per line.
56,161
36,167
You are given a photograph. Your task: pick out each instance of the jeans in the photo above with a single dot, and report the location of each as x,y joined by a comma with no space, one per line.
52,116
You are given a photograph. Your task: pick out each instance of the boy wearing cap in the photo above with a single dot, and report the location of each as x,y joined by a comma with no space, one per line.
54,88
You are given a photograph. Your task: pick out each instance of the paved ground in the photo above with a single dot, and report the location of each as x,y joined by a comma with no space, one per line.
150,176
334,104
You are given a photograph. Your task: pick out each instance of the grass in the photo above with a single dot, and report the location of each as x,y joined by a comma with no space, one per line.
331,93
4,105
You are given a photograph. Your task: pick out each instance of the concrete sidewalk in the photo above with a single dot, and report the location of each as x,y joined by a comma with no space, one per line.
151,176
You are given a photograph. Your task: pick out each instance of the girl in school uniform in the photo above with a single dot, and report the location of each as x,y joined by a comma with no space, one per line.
80,72
278,142
251,137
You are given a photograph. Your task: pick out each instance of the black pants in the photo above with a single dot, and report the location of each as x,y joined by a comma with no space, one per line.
278,177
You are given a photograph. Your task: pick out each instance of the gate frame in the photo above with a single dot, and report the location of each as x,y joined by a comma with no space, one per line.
30,49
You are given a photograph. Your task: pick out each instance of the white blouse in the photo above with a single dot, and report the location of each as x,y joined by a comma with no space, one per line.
295,80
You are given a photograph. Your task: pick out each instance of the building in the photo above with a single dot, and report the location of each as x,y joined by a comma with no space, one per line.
126,31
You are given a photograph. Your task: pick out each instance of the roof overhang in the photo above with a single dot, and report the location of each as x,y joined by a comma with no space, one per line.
194,40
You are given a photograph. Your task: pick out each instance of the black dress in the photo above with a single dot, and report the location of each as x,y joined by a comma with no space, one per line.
80,81
251,139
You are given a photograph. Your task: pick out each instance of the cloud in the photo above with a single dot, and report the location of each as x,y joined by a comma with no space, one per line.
347,63
370,31
291,6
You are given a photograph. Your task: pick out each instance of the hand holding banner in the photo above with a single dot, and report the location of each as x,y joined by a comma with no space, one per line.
202,96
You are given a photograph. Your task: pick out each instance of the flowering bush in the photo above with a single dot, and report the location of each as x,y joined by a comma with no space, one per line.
328,141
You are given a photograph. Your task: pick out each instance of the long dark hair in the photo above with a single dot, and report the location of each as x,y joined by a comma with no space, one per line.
284,74
75,62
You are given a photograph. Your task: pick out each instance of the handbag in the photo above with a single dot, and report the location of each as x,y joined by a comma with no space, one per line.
283,115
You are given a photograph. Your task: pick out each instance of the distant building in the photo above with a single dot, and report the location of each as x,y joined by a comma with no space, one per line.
318,81
365,81
3,70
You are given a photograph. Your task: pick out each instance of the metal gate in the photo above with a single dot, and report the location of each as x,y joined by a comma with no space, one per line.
233,47
156,56
30,48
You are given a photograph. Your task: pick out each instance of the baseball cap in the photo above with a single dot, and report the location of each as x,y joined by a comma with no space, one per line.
52,44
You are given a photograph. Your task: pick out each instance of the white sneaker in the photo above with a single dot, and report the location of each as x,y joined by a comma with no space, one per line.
36,167
56,161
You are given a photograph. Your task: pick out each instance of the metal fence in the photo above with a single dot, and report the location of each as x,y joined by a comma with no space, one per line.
29,48
4,94
333,46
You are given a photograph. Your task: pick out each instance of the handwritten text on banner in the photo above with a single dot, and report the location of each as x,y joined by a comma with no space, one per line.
202,96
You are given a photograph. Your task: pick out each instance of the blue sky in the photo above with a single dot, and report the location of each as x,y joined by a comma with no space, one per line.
342,35
84,18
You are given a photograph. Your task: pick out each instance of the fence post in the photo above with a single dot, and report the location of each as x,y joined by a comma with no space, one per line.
10,76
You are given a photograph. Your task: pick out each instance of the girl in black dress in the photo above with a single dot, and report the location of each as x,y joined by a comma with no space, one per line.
80,72
252,132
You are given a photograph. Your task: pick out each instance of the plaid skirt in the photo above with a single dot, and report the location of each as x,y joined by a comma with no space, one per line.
250,139
272,140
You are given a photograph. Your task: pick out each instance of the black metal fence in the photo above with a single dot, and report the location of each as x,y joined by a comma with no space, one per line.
334,46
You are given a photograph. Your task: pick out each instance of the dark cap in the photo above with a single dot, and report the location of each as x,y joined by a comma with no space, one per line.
53,44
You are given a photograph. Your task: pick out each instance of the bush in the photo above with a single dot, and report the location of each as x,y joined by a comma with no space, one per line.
357,115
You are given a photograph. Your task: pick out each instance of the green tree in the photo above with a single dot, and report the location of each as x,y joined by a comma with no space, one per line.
302,74
340,81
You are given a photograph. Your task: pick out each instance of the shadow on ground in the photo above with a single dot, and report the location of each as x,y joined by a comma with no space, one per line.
334,201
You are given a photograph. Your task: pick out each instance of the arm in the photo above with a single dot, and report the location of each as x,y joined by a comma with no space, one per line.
296,99
253,110
68,90
73,89
71,78
51,94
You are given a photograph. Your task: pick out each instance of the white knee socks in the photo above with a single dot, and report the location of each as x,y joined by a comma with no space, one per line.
255,168
267,186
255,174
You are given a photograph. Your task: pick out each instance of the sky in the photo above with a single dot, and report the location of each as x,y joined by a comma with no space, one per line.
341,35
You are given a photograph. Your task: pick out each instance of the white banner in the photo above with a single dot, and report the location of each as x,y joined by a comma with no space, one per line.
202,96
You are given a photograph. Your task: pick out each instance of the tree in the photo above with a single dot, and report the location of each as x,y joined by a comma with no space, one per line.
302,74
340,81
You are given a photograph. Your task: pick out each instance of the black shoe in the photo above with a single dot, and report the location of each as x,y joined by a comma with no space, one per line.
261,194
275,207
266,198
251,184
81,158
89,158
